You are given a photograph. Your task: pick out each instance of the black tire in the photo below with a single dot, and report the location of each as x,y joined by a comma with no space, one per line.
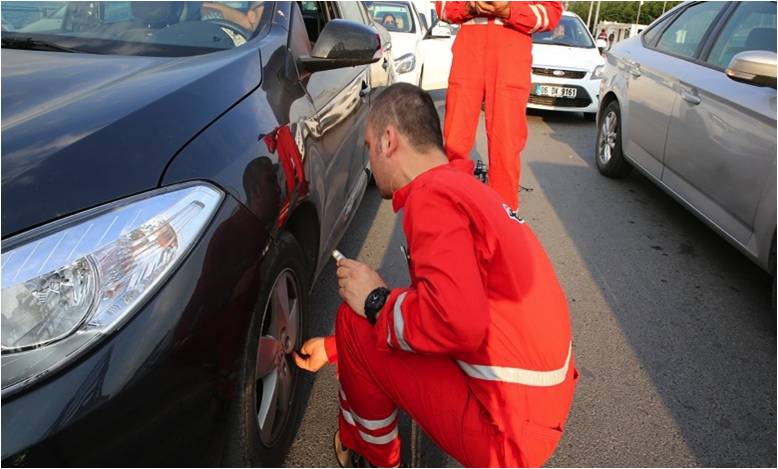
608,152
247,445
771,268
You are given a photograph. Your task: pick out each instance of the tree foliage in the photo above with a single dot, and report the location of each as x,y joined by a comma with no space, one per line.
622,12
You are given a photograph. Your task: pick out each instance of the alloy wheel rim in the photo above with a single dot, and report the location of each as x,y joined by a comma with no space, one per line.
608,135
275,373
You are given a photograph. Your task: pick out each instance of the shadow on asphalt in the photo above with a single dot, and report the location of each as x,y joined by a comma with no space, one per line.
695,310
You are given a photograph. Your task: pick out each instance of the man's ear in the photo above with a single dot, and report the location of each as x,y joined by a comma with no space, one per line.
390,140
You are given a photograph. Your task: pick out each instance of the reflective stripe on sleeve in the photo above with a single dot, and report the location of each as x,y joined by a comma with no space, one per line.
399,323
538,19
519,375
542,9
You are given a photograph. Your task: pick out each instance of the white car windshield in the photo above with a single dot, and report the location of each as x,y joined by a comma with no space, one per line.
570,31
132,28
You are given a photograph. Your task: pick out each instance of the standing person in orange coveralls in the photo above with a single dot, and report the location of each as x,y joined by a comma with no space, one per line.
478,349
492,64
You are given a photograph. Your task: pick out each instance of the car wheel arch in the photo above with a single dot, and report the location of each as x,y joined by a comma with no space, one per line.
304,224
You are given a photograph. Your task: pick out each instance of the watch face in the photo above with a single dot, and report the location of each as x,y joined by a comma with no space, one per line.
373,299
376,299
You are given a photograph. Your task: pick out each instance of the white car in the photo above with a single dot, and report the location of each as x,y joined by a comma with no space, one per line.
566,68
422,55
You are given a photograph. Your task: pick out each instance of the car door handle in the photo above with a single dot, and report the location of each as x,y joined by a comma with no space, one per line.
365,90
691,97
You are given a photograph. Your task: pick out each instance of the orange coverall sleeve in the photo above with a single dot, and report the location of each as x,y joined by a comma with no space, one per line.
452,12
531,17
331,349
445,310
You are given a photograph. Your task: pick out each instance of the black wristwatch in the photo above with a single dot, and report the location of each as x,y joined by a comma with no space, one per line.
374,302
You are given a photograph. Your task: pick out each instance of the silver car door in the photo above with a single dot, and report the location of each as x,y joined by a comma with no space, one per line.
651,83
340,97
721,145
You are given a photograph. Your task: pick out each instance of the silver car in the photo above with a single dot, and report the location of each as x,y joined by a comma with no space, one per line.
691,103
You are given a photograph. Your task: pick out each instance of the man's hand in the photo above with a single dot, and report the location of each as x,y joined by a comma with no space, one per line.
472,9
496,9
356,281
315,355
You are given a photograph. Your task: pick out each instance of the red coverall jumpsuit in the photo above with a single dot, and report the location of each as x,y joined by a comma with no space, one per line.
492,63
477,350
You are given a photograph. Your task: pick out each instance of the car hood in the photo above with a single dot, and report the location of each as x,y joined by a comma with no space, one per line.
403,43
79,130
570,58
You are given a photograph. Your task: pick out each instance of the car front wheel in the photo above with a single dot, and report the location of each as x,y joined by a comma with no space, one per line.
272,390
610,158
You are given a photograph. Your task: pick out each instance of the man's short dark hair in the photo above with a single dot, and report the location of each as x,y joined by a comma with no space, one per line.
412,111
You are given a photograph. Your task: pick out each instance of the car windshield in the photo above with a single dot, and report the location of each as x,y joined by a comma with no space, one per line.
132,28
570,31
394,16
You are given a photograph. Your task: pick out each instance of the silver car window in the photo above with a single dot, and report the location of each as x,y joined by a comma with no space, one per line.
751,27
683,37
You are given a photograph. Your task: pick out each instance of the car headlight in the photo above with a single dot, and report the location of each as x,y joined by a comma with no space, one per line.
66,284
405,64
597,73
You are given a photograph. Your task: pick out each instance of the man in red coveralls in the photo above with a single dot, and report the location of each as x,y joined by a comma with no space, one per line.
492,63
478,349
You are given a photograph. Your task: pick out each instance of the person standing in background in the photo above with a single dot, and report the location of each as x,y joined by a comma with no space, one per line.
492,65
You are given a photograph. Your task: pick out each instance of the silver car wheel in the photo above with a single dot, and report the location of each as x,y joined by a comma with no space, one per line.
275,373
608,136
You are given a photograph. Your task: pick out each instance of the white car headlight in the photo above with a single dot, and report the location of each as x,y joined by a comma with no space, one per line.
67,283
597,72
405,64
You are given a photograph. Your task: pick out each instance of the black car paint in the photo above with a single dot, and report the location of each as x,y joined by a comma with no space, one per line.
158,391
73,121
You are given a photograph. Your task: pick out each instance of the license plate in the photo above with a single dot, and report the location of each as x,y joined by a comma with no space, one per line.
555,91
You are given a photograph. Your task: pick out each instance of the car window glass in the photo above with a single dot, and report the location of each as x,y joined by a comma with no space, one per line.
332,11
683,37
299,42
136,28
751,27
570,32
314,18
394,16
352,11
651,34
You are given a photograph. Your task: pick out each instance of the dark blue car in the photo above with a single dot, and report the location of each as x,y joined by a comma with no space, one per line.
174,175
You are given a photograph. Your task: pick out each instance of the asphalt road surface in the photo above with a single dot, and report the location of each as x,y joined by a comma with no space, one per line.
674,334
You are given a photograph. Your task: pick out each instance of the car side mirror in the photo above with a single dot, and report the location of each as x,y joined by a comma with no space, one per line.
341,44
438,30
756,67
423,20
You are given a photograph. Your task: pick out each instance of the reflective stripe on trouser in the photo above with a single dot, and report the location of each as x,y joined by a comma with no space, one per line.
381,431
519,375
432,390
479,74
